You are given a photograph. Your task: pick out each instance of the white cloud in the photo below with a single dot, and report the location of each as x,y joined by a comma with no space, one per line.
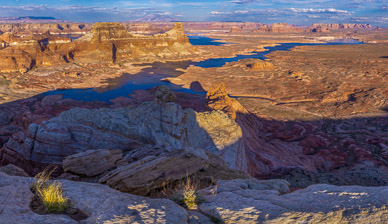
217,12
329,10
241,11
241,2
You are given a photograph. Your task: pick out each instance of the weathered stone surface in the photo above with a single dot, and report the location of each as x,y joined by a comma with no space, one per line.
320,27
151,172
154,123
28,26
279,28
13,170
92,162
101,203
164,94
198,218
315,204
111,42
105,43
15,197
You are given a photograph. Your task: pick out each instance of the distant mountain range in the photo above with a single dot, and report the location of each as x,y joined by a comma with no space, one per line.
30,19
46,19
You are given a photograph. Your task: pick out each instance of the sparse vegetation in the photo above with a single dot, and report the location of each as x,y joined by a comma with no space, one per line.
49,192
186,195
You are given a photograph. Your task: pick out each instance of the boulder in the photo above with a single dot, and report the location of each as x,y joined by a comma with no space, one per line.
153,173
93,162
13,170
101,203
164,94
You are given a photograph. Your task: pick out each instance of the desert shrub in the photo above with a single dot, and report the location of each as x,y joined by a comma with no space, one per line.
49,192
186,195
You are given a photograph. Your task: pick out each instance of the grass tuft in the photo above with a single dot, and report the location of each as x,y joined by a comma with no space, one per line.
187,195
50,192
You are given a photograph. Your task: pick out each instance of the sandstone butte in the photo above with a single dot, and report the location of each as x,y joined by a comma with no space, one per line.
106,43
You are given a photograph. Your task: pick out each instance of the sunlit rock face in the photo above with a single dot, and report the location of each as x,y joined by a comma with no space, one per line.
44,27
321,27
111,42
105,43
20,54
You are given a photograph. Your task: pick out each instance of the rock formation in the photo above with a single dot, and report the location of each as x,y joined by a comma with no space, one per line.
321,27
218,99
248,201
279,28
20,28
156,122
151,173
105,43
111,42
21,54
101,203
259,65
93,162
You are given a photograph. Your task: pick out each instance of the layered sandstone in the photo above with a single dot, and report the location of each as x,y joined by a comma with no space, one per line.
40,28
152,173
158,122
106,43
233,201
279,28
321,27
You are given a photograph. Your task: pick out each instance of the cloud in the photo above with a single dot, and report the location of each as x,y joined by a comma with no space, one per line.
242,2
217,12
329,10
301,12
241,11
81,13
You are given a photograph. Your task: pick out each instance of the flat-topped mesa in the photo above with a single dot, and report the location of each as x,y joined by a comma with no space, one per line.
109,31
111,42
39,28
322,27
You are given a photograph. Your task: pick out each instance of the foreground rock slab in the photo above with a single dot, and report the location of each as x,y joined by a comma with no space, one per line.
92,162
101,203
241,201
152,172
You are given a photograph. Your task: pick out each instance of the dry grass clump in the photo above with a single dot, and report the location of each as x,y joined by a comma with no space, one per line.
50,192
186,195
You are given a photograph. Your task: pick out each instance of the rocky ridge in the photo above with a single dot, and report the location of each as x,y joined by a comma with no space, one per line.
237,201
156,122
304,153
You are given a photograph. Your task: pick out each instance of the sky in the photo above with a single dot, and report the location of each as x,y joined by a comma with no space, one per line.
299,12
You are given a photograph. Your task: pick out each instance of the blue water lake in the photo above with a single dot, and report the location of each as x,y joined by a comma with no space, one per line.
202,40
152,76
